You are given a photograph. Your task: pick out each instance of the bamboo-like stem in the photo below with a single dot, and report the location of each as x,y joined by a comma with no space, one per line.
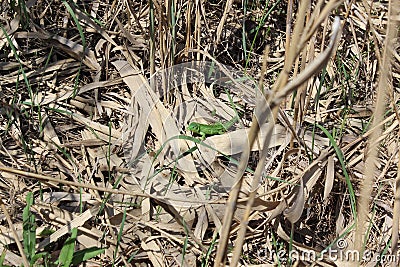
384,85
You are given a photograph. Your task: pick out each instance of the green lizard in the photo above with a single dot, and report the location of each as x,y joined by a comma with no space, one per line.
211,129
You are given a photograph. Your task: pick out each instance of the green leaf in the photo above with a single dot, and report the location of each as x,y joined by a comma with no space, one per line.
78,25
67,251
85,254
38,256
46,232
341,158
29,228
3,257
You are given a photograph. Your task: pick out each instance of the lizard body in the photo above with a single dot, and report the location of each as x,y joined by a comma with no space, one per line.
211,129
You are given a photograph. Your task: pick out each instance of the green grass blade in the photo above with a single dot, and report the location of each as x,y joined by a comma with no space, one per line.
21,69
29,228
82,35
3,257
86,254
78,25
121,230
67,251
340,156
42,255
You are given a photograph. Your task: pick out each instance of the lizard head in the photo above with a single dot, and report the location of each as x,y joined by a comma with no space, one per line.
194,127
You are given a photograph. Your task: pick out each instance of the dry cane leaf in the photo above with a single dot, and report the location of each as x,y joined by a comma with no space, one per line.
153,252
79,221
202,224
294,211
49,134
330,177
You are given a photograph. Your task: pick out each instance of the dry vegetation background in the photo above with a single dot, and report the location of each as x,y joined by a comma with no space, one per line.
81,132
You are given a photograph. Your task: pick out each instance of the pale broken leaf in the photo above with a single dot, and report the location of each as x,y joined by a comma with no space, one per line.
295,209
153,252
49,134
78,221
202,224
231,143
330,177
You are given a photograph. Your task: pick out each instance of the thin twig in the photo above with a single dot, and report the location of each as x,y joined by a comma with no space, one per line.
14,232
